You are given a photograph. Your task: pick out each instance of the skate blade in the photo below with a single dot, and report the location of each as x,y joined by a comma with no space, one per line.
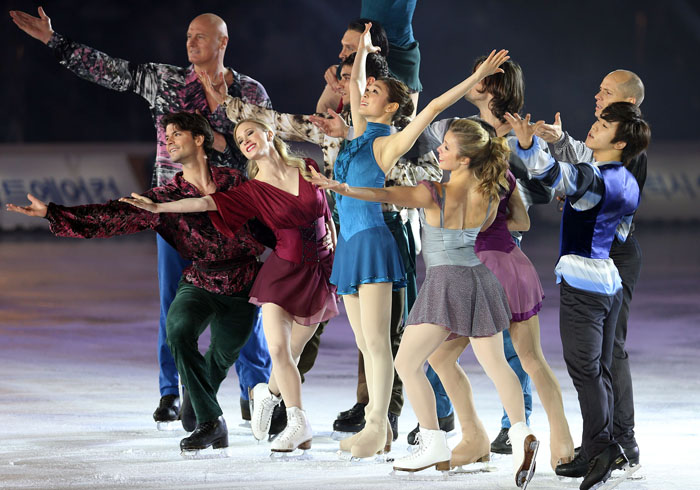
427,474
208,453
169,426
619,476
296,455
376,459
245,424
339,436
474,468
526,474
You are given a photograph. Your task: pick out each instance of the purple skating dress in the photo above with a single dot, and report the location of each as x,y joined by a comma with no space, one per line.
497,250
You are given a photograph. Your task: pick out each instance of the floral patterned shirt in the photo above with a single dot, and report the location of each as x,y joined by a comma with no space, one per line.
167,89
220,264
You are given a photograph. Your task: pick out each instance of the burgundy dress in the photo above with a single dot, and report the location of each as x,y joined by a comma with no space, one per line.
497,250
294,277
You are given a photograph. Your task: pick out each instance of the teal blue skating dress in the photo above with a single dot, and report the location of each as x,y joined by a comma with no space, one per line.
366,251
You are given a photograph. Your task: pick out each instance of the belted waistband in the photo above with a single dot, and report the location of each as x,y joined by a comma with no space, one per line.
303,243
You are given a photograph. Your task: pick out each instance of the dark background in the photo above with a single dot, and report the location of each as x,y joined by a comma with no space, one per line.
565,49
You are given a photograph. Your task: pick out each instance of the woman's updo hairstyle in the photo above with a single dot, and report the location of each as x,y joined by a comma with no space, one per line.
488,156
398,92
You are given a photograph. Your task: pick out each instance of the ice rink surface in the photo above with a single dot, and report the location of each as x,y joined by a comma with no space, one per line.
78,327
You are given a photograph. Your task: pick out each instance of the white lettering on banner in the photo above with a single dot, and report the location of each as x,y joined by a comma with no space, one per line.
68,178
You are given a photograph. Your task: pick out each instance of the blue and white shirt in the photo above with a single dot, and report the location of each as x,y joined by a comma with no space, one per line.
601,200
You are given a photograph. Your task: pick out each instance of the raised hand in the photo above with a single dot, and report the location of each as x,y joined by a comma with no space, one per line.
331,78
366,41
37,207
491,64
551,133
141,202
218,94
325,183
334,126
37,27
522,128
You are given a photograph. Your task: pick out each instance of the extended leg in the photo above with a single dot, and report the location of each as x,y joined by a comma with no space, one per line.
526,340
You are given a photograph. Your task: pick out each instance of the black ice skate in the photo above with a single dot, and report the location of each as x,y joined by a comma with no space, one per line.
349,422
501,444
601,466
278,422
212,434
168,412
187,415
245,412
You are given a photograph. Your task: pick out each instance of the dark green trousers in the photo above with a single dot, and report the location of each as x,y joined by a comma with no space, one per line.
231,320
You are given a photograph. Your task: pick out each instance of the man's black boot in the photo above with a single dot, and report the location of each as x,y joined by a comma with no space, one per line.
213,433
600,467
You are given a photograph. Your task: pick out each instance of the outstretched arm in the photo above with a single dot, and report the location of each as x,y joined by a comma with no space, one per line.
581,182
37,208
561,145
90,220
189,205
395,145
358,79
407,197
89,63
37,27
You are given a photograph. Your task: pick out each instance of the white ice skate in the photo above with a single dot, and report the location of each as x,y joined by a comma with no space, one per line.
525,446
297,434
262,404
432,450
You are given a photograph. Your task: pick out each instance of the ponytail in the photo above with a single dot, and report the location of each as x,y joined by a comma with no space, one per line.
488,156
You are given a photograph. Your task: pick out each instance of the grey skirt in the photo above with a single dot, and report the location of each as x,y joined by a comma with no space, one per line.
468,301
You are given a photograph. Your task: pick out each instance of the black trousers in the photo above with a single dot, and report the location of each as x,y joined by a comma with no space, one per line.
587,327
628,260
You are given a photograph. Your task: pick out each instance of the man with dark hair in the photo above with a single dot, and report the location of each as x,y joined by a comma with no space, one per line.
617,86
601,200
331,97
213,289
169,89
392,32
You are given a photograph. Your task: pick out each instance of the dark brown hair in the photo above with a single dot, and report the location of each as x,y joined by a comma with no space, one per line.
507,88
194,123
631,128
398,92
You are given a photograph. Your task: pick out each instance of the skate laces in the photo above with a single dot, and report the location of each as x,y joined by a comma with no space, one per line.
292,429
419,448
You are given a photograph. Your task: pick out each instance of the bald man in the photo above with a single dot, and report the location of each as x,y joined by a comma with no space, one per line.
617,86
169,89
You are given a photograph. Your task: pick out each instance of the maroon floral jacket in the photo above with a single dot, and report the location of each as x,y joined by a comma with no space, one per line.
220,264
